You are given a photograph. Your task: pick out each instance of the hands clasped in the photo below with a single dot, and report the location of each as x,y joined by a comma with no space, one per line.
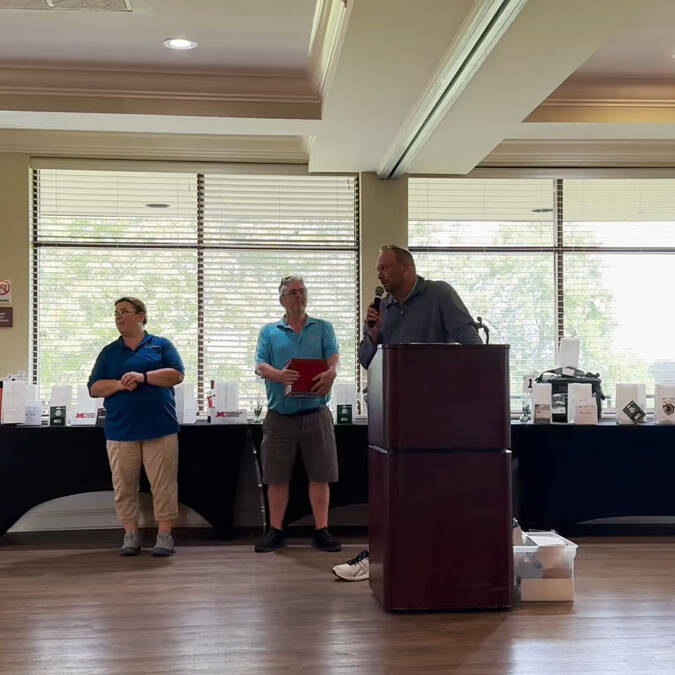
130,381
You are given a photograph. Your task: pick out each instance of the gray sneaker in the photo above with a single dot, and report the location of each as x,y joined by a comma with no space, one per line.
163,545
131,544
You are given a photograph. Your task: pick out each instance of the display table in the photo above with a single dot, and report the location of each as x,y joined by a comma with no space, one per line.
567,473
570,473
42,463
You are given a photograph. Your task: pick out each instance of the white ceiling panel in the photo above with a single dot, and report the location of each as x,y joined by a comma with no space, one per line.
232,35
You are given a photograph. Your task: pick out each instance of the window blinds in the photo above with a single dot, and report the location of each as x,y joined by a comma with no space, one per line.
542,258
205,252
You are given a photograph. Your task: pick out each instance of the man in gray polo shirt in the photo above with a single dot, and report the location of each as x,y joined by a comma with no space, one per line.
414,310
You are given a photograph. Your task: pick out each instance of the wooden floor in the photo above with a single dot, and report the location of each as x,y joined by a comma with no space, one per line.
68,604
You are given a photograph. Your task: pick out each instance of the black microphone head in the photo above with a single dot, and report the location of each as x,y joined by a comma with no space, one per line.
379,292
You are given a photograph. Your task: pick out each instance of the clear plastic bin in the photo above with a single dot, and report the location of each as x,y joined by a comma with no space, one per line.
544,567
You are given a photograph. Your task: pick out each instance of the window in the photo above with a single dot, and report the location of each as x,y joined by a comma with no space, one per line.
204,251
543,258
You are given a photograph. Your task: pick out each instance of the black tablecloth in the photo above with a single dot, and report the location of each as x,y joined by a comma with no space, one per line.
42,463
570,473
567,473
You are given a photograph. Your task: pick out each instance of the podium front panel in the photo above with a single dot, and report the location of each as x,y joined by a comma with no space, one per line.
439,396
440,529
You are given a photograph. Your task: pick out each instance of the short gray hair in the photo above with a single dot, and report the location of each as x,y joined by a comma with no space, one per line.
287,280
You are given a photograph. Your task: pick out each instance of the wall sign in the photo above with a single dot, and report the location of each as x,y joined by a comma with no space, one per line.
5,292
6,317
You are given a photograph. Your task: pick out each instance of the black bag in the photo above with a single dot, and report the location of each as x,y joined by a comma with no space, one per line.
559,383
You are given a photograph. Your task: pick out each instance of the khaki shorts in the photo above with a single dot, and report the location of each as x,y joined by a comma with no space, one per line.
313,435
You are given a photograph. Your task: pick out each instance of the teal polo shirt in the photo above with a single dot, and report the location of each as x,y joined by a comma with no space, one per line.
278,343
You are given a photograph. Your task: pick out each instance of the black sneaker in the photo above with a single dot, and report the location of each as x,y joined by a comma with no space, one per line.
325,541
273,540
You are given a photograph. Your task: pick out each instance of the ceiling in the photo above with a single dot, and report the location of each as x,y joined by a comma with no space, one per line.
426,87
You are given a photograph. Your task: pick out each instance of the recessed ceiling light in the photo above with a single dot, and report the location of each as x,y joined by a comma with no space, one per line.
179,43
158,205
542,210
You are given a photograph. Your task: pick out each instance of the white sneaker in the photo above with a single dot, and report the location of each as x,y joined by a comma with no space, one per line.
356,569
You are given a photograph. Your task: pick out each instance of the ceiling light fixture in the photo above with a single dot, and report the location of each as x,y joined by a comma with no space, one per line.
179,43
157,205
542,210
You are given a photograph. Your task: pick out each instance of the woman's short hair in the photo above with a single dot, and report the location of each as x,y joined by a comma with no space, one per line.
139,305
403,255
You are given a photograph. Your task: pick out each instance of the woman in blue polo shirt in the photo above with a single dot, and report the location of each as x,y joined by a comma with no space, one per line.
136,374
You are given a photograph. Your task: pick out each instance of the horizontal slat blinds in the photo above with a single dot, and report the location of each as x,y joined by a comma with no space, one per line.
279,210
77,288
475,212
207,262
492,240
619,213
111,207
541,258
620,238
240,295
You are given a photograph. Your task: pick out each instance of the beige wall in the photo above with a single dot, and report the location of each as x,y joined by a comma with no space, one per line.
384,220
14,257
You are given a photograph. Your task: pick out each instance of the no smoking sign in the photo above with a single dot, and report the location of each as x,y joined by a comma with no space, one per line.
5,292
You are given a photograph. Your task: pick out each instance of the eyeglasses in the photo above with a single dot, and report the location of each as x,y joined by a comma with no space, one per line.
296,292
122,312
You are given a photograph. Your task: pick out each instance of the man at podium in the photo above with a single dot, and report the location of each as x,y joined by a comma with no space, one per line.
414,310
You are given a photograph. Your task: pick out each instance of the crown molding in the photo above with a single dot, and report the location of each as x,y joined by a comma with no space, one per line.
184,147
476,38
56,89
582,153
618,100
331,19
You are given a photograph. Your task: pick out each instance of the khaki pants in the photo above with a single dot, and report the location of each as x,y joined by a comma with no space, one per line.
159,456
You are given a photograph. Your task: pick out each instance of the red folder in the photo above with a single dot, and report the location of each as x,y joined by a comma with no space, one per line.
308,369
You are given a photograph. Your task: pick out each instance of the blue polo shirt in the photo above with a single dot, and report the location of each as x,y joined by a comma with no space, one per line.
148,411
278,343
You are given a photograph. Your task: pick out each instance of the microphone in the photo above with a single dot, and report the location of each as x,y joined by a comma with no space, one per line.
379,292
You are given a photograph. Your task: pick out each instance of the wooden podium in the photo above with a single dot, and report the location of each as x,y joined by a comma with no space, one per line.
440,477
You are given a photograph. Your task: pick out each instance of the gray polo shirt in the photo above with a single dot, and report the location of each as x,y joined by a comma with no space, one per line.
433,312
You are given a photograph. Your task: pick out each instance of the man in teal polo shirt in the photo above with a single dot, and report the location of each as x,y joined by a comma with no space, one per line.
297,424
